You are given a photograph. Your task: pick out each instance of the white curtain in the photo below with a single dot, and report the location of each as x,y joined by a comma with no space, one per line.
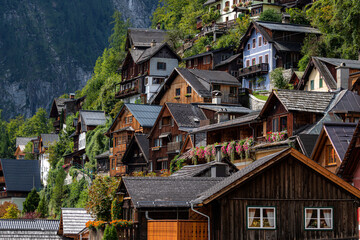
308,217
251,215
270,215
327,215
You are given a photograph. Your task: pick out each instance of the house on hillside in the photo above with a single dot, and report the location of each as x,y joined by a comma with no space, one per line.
103,163
20,146
40,146
72,222
144,69
17,179
332,144
131,119
219,59
141,38
328,74
62,107
88,120
198,86
170,130
269,45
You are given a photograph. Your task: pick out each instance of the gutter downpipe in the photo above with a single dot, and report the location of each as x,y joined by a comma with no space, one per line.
202,214
147,216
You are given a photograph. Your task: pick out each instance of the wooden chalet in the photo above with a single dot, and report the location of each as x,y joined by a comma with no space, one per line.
282,196
349,168
328,74
72,222
88,120
132,118
167,136
17,179
20,146
220,59
144,70
103,163
136,156
198,86
62,107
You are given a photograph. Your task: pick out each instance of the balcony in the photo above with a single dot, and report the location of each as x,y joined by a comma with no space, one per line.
127,92
254,70
173,147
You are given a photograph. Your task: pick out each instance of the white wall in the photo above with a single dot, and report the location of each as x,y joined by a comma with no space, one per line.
170,65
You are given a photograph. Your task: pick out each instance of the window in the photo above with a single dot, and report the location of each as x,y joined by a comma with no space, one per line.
161,66
247,63
218,7
312,87
318,218
166,121
177,92
177,138
232,91
158,142
206,60
330,155
248,46
253,43
260,60
260,41
146,81
253,61
188,90
235,73
216,87
320,83
275,125
195,62
265,42
266,58
283,123
227,3
234,1
261,217
158,80
224,57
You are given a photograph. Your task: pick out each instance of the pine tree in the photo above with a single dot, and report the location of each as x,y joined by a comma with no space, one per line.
110,233
43,207
31,202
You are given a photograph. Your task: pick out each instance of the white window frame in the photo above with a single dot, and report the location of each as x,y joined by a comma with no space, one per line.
261,217
260,41
318,209
252,43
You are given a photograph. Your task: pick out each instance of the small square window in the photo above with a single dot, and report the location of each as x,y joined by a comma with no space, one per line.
177,92
261,217
188,89
318,218
161,66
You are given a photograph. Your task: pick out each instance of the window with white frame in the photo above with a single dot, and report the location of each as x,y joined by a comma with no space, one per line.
158,142
261,217
318,218
260,41
254,43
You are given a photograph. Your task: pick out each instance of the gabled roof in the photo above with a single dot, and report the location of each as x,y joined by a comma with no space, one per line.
152,192
260,165
145,114
347,102
197,170
58,106
225,108
150,52
21,175
211,52
339,134
351,159
29,224
307,143
48,139
23,140
73,220
92,118
142,37
142,142
228,60
288,27
186,115
228,124
304,101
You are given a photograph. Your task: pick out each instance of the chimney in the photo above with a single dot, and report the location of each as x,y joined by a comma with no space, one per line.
216,99
219,169
208,48
153,43
285,18
342,76
72,95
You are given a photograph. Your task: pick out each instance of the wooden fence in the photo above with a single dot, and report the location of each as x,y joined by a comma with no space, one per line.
177,230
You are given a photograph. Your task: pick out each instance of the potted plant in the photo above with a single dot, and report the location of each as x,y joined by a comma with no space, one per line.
177,97
226,9
188,95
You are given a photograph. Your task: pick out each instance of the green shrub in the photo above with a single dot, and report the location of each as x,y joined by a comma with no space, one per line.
31,202
110,233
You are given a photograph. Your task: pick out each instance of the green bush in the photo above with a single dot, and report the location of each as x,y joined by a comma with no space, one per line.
270,15
110,233
31,202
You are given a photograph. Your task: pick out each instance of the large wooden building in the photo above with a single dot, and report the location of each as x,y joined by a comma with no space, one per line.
132,118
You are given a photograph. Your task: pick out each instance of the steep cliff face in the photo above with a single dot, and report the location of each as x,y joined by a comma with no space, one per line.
49,47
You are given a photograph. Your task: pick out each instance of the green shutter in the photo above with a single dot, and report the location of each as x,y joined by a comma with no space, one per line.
321,83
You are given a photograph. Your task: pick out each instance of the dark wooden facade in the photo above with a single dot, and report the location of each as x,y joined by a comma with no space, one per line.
290,185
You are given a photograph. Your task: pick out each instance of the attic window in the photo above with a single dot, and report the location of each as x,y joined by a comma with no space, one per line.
177,92
161,66
197,120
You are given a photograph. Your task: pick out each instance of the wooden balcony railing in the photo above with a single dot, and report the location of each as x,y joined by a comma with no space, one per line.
177,229
257,69
127,92
173,147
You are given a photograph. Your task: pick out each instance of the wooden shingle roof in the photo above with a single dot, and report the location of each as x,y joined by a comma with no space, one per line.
73,220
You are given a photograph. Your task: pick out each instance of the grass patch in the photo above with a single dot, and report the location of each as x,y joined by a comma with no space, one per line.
261,97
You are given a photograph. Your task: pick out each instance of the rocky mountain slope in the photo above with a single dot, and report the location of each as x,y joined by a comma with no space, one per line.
49,47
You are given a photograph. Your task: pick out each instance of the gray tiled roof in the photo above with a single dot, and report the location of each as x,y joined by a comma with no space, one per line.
347,102
143,143
29,224
226,108
92,118
307,143
74,220
60,103
191,170
337,61
305,101
228,60
231,123
186,115
340,135
146,115
142,37
288,27
49,139
153,192
21,175
23,140
236,176
288,46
